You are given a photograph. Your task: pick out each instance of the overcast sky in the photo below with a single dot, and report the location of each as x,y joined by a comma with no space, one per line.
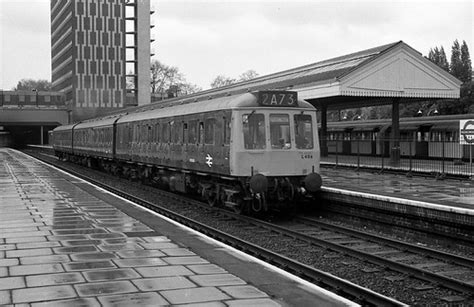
209,38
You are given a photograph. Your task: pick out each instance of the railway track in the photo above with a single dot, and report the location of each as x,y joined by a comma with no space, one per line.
276,242
436,267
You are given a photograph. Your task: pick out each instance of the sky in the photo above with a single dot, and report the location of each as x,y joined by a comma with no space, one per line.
204,39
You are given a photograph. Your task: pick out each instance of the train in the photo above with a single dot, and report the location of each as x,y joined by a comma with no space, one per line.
250,152
430,137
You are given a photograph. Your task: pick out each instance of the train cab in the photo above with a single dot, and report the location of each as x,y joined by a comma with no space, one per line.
276,137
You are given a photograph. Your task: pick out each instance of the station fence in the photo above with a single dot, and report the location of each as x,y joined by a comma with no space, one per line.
437,158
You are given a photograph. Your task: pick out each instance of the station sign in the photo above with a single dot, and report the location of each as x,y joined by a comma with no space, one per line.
278,98
466,132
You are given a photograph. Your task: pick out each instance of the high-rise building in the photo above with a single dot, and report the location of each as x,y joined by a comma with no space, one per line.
95,46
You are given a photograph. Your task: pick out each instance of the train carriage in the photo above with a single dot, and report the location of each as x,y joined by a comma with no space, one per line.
434,137
95,138
62,140
244,151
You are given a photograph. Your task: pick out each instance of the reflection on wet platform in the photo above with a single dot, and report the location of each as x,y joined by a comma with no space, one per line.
60,244
447,192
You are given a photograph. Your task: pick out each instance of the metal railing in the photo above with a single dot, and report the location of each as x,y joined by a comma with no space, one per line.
438,158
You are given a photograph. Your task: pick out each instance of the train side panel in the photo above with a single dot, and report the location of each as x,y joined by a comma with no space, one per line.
94,141
192,142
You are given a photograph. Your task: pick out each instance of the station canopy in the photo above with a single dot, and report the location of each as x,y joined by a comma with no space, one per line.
370,77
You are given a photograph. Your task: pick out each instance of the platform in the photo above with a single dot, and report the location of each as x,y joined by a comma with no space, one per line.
64,242
448,192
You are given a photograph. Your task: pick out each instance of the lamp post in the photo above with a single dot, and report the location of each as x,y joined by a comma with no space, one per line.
36,91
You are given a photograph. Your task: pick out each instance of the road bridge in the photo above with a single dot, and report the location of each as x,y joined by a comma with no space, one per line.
27,116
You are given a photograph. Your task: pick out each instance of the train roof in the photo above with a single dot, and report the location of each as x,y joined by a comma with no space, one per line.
97,122
64,127
247,100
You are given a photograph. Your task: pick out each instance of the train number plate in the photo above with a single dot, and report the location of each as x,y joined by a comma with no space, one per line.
277,98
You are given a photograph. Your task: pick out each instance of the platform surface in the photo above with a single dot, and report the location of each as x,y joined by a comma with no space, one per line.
448,192
64,242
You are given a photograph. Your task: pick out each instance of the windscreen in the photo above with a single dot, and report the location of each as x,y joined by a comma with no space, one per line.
304,131
254,131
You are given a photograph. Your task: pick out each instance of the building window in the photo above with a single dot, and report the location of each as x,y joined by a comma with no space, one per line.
92,10
93,40
80,8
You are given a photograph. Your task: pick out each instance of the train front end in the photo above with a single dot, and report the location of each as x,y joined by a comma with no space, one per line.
276,146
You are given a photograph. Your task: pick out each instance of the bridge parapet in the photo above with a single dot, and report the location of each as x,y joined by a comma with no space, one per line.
32,100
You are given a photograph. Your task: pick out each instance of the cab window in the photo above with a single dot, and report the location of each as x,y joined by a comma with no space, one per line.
280,131
254,131
304,131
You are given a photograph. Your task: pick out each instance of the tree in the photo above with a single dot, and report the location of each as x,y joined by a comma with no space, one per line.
221,81
30,85
438,56
169,80
466,74
188,88
456,66
248,75
163,77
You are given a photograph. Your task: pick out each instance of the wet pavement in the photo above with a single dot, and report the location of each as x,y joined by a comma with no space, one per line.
448,192
66,243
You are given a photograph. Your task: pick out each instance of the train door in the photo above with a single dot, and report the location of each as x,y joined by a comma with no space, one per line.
201,153
225,148
211,156
421,148
192,143
346,141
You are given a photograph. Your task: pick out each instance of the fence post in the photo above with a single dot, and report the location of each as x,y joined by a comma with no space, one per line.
470,161
444,158
358,154
410,158
382,152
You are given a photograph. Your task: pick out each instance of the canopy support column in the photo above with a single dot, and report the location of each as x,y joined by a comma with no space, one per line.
395,134
324,130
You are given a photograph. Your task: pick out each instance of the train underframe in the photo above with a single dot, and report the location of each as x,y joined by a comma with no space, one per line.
235,193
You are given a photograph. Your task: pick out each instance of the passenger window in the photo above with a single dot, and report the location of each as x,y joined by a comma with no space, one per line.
165,133
254,131
304,132
157,133
176,132
201,132
280,131
209,131
192,138
170,131
185,133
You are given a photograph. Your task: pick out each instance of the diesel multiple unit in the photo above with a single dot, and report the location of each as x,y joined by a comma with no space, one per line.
247,152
